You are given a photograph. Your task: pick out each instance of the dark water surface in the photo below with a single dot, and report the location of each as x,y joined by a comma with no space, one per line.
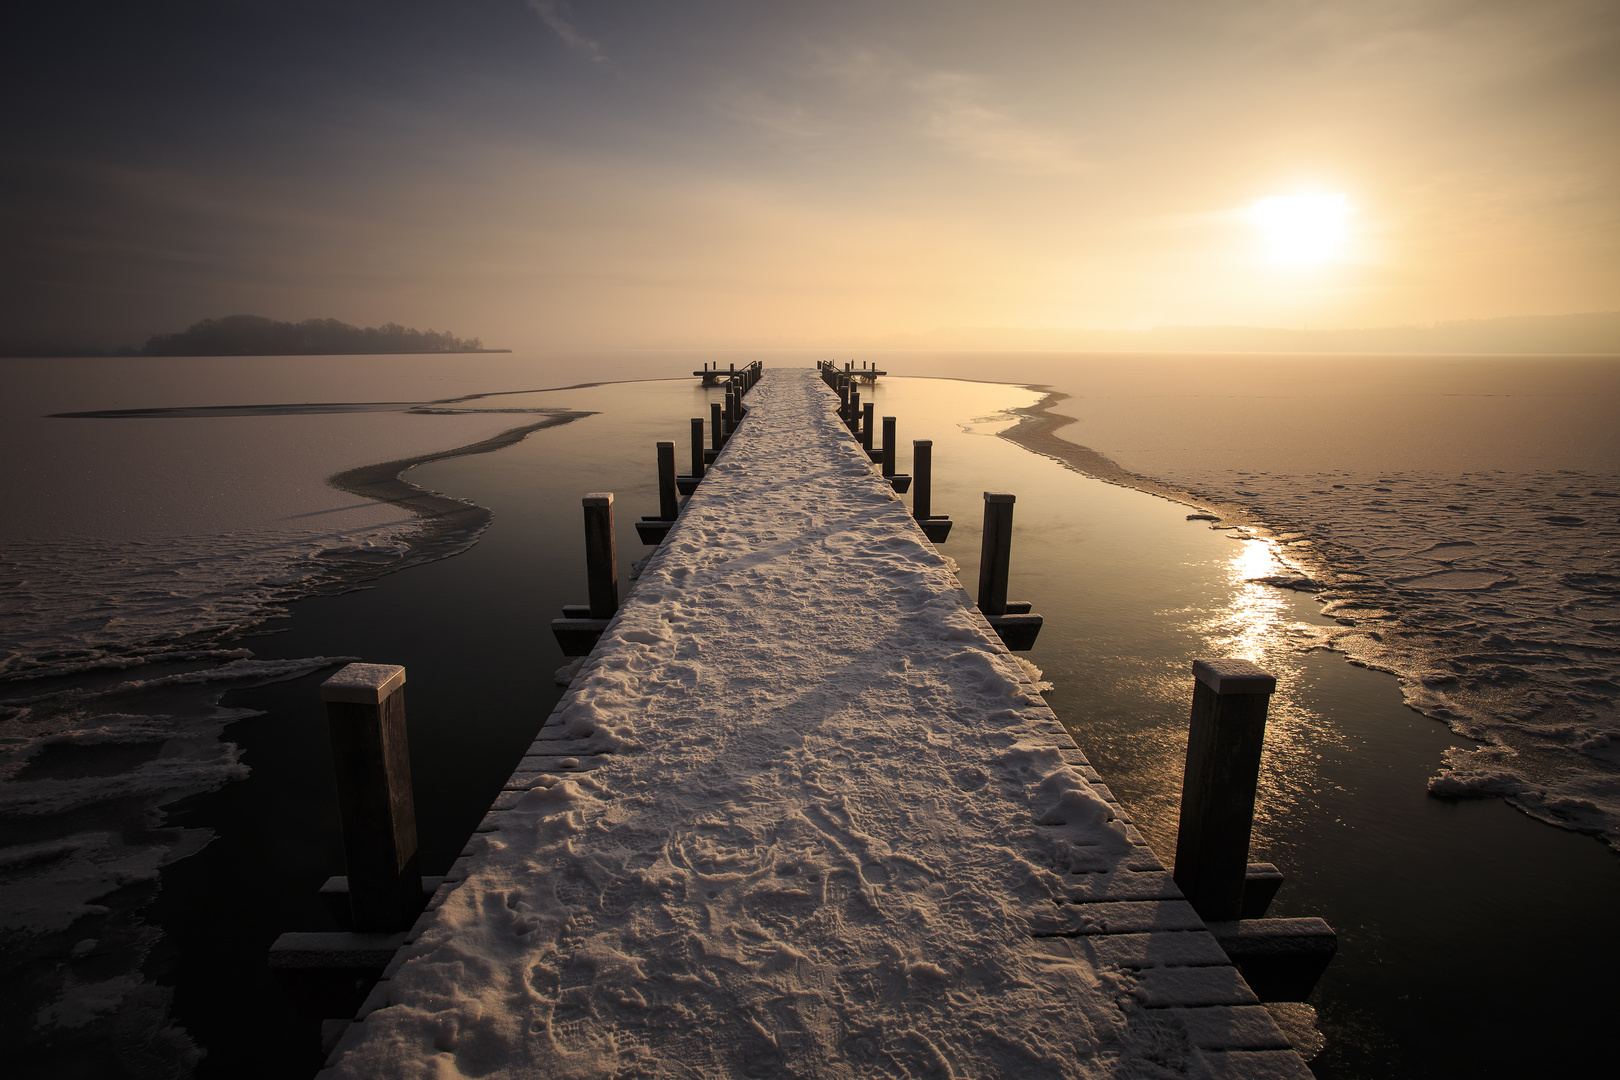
1473,941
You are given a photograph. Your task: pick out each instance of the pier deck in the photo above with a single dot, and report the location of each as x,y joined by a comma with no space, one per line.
801,813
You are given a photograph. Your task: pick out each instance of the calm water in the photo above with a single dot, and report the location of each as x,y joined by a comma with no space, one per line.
1466,928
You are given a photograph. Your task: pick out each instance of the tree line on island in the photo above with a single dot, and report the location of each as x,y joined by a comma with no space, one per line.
255,335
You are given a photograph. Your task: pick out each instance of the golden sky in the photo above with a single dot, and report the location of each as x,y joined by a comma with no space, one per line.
614,173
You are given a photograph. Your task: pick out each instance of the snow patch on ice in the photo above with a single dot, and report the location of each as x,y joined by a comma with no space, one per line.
1499,614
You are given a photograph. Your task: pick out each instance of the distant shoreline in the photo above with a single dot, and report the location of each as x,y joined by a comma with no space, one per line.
338,352
131,355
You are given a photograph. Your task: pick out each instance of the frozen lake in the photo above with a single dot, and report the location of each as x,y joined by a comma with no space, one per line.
159,540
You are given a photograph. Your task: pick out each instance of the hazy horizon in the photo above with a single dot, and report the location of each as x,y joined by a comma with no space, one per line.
619,174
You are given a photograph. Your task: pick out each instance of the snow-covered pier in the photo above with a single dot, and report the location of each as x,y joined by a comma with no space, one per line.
802,813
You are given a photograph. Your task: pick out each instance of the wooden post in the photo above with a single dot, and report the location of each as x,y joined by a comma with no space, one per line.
922,469
995,552
669,503
854,417
1227,730
717,427
888,446
697,447
365,712
601,554
867,412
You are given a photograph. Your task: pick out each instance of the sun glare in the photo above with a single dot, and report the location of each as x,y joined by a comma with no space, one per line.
1301,229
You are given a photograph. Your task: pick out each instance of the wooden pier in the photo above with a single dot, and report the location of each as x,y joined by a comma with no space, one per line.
867,372
801,812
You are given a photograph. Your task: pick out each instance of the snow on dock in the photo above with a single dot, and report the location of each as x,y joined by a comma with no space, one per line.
801,813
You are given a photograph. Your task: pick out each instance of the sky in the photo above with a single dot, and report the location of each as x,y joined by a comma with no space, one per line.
638,174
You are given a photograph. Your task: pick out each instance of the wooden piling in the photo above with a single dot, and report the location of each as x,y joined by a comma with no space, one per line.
365,712
697,447
669,503
922,471
854,417
601,554
717,427
1226,732
937,527
995,552
867,412
888,446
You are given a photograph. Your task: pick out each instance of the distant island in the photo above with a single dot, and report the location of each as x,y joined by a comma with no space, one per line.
255,335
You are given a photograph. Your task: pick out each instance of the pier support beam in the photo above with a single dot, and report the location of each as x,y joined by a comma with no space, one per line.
688,484
652,530
867,411
601,554
365,712
580,627
1226,733
1281,959
935,527
669,501
901,482
995,552
1011,620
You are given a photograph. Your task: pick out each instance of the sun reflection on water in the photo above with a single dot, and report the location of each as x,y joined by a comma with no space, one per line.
1258,624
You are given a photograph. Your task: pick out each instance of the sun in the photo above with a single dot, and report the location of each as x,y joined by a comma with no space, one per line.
1301,230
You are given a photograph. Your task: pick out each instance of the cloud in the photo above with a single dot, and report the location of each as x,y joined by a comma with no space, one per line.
555,14
956,116
955,111
780,119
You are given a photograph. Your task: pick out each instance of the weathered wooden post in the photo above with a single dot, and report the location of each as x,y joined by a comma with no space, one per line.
922,468
901,482
867,412
652,528
1227,731
669,503
688,484
365,712
937,527
1281,959
601,555
581,625
854,417
717,427
1010,619
995,552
